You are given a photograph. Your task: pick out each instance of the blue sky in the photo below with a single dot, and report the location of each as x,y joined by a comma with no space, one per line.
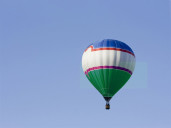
41,45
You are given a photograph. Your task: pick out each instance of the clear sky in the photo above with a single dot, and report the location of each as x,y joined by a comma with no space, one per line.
41,46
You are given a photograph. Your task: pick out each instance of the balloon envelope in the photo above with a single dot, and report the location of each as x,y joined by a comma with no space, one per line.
108,65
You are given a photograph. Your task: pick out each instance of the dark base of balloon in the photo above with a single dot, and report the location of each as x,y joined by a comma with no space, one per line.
107,99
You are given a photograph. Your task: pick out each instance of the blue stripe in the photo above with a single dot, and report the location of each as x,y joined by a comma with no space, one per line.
112,44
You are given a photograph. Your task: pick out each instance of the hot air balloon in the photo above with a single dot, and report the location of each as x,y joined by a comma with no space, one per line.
108,65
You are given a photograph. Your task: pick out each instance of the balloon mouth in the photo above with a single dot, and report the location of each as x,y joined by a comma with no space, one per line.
107,99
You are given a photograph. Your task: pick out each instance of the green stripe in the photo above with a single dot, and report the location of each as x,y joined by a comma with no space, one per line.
108,81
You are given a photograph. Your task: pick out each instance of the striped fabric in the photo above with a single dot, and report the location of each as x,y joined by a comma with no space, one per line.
108,54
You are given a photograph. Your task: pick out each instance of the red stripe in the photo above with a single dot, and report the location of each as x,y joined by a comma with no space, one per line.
117,49
108,67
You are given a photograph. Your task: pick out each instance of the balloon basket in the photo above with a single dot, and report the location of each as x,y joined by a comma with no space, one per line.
107,106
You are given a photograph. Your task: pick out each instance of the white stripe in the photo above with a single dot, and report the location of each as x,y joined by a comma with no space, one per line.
107,58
